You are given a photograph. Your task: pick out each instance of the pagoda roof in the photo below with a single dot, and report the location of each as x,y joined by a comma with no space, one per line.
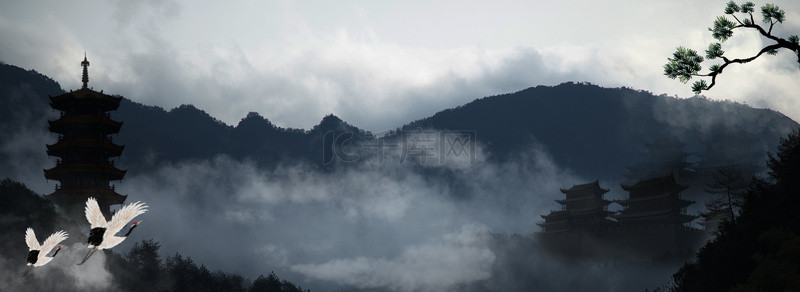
667,180
64,145
58,172
658,214
586,210
555,214
564,201
82,96
591,187
552,223
83,194
683,202
106,124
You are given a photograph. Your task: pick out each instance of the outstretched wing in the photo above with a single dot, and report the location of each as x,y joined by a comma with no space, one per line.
51,242
30,239
123,216
111,241
93,214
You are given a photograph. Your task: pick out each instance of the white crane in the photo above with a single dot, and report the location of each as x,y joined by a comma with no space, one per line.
103,234
37,254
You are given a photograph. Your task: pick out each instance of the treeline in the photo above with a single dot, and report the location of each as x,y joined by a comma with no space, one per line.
760,249
141,269
145,271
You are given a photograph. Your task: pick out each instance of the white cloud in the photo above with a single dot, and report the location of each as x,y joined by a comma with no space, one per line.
234,216
458,258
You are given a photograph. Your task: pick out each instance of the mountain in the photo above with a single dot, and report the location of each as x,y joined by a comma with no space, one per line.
152,135
600,132
596,132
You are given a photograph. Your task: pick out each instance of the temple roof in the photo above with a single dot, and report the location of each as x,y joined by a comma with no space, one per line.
667,180
106,124
66,144
683,202
564,201
555,214
592,187
82,194
82,96
58,172
654,215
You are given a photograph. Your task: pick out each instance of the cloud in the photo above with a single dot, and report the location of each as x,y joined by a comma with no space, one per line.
61,274
460,257
293,67
302,222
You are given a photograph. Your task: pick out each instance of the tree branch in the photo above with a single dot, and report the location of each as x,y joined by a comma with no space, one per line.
737,19
727,61
780,41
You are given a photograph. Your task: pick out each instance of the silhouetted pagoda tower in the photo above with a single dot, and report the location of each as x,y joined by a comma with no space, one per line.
654,203
583,209
84,168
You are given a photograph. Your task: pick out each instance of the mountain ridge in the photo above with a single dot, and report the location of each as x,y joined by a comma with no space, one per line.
592,130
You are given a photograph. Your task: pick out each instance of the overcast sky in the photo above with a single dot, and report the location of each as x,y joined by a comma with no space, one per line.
377,64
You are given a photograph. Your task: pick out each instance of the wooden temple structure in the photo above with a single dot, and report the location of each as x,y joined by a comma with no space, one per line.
653,220
583,209
84,149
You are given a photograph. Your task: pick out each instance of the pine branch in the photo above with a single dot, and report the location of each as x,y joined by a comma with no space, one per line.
727,61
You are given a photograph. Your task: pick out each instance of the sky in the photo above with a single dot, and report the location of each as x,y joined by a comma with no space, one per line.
378,64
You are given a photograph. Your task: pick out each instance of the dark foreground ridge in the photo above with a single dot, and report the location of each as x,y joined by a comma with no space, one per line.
761,250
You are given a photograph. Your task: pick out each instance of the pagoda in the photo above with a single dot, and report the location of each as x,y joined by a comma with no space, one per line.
84,148
583,209
654,203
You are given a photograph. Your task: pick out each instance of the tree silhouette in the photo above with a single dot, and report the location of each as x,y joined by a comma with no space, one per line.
729,183
759,252
145,264
685,63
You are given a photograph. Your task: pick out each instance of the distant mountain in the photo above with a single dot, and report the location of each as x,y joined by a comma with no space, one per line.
596,132
152,135
600,132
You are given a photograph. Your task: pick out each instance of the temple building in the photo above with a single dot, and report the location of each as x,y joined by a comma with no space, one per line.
84,149
652,221
583,209
655,203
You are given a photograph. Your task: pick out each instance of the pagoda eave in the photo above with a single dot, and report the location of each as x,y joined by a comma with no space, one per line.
81,194
555,214
85,96
58,149
61,171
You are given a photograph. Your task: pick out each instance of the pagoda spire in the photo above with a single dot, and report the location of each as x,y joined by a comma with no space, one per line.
85,65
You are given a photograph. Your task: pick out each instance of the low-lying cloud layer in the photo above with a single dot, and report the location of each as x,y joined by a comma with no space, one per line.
369,225
61,274
385,224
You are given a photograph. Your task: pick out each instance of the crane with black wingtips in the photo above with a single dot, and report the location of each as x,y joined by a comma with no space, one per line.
103,233
37,253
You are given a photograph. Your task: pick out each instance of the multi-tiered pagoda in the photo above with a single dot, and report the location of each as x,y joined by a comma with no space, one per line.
654,203
84,148
583,209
